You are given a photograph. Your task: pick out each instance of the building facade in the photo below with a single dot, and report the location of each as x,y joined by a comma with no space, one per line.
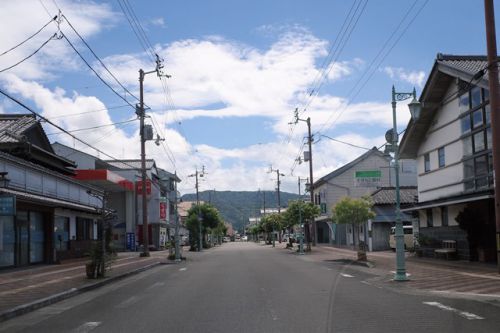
451,141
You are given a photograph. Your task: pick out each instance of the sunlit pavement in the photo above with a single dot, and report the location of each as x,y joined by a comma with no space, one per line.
247,287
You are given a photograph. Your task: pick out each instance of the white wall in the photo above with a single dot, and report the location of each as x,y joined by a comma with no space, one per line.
439,182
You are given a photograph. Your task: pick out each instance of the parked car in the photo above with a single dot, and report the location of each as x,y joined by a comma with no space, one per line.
226,239
244,238
408,237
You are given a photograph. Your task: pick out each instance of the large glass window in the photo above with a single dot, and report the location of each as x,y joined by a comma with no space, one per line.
427,162
37,237
61,233
7,241
465,122
467,142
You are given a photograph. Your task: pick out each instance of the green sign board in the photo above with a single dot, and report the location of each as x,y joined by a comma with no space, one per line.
367,178
369,174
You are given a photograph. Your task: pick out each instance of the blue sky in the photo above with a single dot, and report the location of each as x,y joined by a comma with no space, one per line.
239,69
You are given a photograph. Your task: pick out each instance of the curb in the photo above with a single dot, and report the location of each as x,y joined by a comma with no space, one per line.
49,300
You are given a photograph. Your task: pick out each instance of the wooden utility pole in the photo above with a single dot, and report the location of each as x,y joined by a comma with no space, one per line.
494,86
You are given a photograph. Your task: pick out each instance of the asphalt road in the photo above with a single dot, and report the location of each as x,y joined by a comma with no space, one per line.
245,287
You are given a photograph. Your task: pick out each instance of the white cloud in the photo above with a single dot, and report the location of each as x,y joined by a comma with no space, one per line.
399,73
158,21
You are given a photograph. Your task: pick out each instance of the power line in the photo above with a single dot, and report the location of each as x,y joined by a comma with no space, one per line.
91,111
32,54
350,100
60,128
98,59
94,127
30,37
95,72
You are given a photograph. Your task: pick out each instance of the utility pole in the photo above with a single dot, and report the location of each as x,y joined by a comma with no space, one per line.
140,111
176,216
200,234
311,179
278,182
494,86
301,245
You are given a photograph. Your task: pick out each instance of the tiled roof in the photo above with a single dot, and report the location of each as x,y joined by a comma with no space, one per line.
387,195
468,64
130,164
12,127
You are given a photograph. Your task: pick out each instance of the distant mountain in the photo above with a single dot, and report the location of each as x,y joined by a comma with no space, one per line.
237,206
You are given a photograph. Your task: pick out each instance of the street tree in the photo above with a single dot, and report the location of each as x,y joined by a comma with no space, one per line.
271,223
210,219
297,212
355,212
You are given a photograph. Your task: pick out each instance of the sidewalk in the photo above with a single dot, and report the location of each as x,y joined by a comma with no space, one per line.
438,275
26,289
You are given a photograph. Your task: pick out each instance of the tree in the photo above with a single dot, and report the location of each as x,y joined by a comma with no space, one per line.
271,223
354,211
297,212
210,219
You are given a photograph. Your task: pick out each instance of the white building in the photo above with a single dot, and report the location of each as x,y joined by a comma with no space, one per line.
451,141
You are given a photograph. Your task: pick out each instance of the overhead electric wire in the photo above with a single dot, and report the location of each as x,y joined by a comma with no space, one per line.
32,54
30,37
61,129
99,59
95,72
91,111
93,127
350,100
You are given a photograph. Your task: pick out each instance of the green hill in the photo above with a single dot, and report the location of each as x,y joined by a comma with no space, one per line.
237,206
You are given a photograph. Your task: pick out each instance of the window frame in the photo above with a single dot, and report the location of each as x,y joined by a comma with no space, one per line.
441,157
427,162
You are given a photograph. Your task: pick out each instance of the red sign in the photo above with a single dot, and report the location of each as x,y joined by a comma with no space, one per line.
138,187
163,210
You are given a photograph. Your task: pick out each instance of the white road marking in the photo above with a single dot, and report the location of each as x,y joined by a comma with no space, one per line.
182,269
154,285
128,302
87,327
465,314
346,275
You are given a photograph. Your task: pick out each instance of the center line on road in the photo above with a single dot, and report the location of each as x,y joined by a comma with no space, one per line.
346,275
182,269
464,314
87,327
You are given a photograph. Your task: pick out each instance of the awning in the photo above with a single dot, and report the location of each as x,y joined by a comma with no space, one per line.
47,201
448,202
105,179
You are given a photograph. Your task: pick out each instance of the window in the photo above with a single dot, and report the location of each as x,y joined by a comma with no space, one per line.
467,142
463,102
7,241
430,223
427,163
488,138
441,157
444,216
465,121
475,97
61,233
84,228
477,118
479,142
487,114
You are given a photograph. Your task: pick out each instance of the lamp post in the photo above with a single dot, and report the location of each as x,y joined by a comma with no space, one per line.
393,138
102,232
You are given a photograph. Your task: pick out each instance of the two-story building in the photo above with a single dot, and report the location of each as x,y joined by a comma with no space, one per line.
360,177
45,213
451,141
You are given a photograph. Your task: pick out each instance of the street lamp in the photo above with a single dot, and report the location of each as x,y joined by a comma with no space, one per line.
102,231
415,108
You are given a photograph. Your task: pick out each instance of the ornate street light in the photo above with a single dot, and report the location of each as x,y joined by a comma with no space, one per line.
393,139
